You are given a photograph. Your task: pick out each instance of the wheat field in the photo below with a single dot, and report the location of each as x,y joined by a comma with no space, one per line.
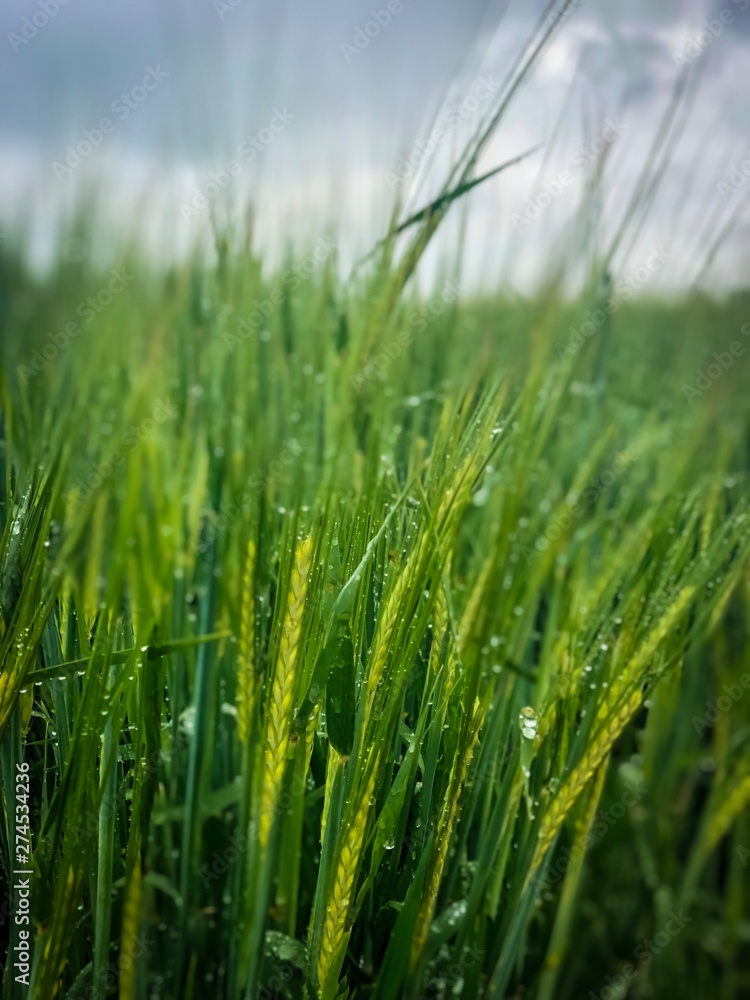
358,641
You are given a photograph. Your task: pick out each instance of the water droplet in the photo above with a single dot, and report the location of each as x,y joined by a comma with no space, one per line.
527,720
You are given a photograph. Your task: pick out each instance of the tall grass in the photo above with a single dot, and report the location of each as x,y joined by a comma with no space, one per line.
384,651
337,722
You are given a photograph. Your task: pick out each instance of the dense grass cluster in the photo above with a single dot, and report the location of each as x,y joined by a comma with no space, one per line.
362,642
387,647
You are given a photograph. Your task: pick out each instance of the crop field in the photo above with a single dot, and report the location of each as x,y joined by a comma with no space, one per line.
365,641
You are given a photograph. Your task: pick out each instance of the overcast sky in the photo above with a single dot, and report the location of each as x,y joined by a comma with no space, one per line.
183,86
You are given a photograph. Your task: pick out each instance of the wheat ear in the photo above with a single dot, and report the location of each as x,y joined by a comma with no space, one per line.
582,774
387,626
733,805
612,717
247,679
335,926
448,815
8,685
332,765
282,691
640,661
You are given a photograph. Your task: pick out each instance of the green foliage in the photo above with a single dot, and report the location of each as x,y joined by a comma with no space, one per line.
495,527
367,645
